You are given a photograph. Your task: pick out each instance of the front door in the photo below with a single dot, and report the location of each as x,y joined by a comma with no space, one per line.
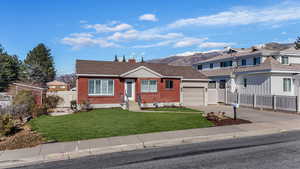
129,89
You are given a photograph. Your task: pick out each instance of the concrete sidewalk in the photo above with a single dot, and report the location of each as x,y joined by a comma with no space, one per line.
70,150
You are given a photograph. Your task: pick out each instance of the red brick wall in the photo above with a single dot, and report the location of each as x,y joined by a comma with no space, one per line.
162,94
83,92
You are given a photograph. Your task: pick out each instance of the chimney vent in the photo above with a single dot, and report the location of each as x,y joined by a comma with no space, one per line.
131,61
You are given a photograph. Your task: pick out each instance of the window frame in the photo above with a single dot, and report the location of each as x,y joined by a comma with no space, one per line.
101,83
223,82
282,59
211,65
212,82
149,88
169,84
256,60
287,88
199,67
244,62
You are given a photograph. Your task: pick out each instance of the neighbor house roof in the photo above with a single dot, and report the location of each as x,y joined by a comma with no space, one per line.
108,68
56,83
269,64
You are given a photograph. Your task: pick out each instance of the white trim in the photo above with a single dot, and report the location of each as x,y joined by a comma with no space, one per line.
138,68
97,75
20,84
107,105
133,89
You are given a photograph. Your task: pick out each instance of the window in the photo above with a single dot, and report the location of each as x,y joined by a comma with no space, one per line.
222,84
101,87
222,64
245,82
52,87
211,65
244,62
287,84
149,86
169,84
256,61
212,84
284,60
62,87
230,63
199,67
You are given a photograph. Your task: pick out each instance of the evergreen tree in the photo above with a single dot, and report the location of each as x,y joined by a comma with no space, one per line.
9,69
116,58
124,59
297,43
40,64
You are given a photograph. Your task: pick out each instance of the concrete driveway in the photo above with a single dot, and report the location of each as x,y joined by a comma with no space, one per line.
253,115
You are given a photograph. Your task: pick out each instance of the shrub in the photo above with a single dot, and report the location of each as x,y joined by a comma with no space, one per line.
38,110
73,105
23,103
86,106
51,102
7,125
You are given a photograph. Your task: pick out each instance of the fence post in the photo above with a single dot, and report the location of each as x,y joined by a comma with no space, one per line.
298,102
274,102
238,98
254,100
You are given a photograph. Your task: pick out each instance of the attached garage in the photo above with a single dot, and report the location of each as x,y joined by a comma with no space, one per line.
194,92
193,96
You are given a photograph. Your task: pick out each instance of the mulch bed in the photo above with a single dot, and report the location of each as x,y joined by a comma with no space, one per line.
229,121
23,139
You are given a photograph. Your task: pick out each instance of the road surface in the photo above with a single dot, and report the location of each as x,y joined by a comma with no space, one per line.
279,151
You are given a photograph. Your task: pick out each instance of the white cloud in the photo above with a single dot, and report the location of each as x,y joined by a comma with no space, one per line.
84,34
143,35
244,16
100,28
148,17
163,43
186,42
78,42
215,44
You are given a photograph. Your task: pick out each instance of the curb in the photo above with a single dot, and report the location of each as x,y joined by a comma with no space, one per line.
137,146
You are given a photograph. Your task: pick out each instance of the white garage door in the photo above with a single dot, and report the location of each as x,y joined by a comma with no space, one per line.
193,96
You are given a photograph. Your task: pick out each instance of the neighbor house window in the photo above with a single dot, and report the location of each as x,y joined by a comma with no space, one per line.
149,86
245,82
244,62
212,84
287,84
62,87
211,65
226,64
169,84
285,60
199,67
222,84
256,61
230,63
101,87
222,64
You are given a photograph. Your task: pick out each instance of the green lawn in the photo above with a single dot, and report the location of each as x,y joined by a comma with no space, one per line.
173,109
113,122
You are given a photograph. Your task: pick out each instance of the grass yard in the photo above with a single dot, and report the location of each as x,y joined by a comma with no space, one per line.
173,109
113,122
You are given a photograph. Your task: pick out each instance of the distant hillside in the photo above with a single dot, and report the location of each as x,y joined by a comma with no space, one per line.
191,58
186,60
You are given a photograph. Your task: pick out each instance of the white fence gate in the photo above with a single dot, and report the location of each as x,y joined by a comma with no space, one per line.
67,97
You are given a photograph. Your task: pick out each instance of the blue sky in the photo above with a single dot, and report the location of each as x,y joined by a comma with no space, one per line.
98,30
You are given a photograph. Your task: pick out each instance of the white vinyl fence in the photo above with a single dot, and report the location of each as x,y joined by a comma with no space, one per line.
5,100
67,97
275,102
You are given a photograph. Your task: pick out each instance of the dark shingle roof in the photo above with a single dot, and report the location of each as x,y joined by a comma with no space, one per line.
118,68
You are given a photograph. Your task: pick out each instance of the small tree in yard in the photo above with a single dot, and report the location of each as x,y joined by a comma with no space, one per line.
26,101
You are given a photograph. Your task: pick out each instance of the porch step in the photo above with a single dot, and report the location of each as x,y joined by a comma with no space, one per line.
134,106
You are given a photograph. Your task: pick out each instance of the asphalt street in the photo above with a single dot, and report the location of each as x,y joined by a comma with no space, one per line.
278,151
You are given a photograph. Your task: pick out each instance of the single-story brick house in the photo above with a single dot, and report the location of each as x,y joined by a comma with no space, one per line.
111,83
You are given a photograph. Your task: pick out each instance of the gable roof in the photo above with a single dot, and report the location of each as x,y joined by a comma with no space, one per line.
56,82
108,68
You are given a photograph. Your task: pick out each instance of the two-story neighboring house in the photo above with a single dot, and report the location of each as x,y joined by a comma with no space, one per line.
257,71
